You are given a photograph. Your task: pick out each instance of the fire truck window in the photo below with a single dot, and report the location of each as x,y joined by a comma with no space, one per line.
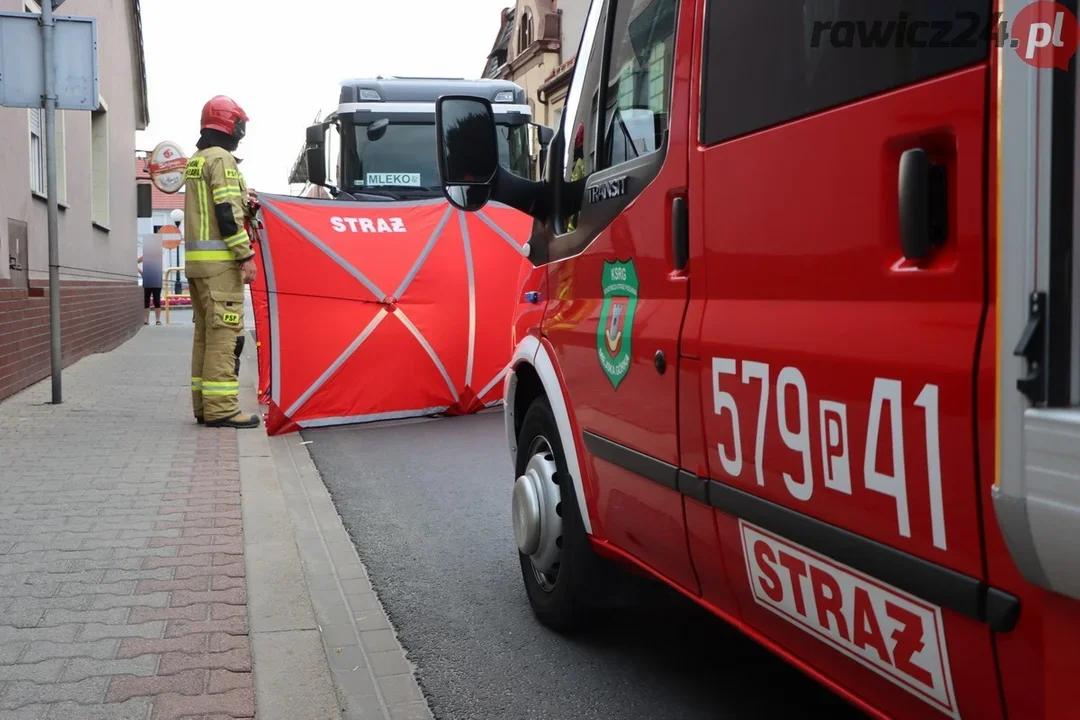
638,97
767,63
581,132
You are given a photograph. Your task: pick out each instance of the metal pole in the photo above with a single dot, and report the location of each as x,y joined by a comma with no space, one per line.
47,27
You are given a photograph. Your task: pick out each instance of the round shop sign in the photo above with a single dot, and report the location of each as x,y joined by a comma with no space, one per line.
166,167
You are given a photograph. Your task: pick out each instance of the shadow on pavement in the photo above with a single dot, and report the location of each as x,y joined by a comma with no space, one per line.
681,650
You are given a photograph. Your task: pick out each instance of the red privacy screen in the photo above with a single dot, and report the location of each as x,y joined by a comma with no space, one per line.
377,311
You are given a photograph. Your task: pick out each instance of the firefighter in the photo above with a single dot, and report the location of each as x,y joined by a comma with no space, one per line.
219,261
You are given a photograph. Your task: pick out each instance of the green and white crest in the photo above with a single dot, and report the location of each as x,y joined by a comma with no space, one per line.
615,329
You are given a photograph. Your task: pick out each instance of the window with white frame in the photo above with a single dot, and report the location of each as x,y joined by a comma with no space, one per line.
39,157
99,164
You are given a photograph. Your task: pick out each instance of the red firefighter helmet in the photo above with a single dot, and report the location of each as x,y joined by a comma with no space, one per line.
223,114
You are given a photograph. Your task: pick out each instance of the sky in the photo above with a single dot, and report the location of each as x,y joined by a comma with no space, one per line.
282,60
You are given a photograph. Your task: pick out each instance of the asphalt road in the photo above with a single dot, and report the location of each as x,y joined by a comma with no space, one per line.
428,506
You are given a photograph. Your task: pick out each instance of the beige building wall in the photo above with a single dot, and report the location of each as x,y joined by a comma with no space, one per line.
95,161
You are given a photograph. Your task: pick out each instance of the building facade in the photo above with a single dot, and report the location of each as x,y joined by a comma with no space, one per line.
536,47
101,303
527,49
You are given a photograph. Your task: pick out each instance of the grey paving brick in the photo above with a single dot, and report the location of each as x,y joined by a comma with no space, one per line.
26,712
125,587
104,602
371,620
46,556
25,604
82,668
356,586
363,602
361,707
332,615
20,568
114,543
146,530
61,574
10,652
351,570
398,689
149,630
347,658
133,709
322,581
43,672
25,618
389,662
24,548
44,650
17,694
116,575
354,684
336,636
379,640
58,633
416,710
62,617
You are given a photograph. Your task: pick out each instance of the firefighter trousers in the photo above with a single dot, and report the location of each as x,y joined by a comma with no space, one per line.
218,304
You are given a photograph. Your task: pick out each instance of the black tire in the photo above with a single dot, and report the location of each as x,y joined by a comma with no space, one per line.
583,578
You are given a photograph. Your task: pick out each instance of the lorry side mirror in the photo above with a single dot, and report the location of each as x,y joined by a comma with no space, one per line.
315,154
546,135
316,134
316,165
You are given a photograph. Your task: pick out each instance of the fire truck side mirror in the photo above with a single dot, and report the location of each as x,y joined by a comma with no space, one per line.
468,155
468,150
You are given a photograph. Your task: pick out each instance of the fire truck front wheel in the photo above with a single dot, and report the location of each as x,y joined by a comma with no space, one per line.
562,574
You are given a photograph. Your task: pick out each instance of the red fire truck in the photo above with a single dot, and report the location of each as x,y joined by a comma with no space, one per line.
802,339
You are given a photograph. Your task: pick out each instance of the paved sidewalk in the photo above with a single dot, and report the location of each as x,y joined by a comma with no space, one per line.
152,568
122,588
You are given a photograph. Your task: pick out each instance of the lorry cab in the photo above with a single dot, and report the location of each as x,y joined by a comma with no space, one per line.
384,132
804,341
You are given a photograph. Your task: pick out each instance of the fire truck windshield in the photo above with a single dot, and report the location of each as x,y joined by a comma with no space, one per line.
399,159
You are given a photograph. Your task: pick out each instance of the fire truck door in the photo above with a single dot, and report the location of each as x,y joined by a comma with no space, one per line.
616,305
843,222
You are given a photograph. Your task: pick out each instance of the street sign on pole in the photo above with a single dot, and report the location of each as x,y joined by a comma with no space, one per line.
22,71
49,62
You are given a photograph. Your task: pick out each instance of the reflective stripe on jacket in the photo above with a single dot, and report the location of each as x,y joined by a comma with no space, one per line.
215,206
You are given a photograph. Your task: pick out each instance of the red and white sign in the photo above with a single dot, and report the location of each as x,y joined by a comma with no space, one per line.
888,631
166,167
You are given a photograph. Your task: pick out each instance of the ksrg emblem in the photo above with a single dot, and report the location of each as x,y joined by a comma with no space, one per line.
615,329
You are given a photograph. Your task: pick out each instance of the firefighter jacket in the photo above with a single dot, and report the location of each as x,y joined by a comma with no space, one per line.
215,208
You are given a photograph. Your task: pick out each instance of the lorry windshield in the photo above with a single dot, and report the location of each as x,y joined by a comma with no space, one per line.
401,159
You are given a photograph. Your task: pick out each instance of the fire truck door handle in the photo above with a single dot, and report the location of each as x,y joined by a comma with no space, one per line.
922,199
680,233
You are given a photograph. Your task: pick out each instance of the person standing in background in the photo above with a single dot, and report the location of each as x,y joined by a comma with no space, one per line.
151,272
